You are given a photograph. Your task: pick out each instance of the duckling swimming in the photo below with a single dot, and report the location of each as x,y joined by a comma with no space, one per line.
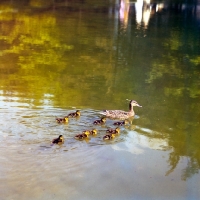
75,114
62,120
82,136
113,131
121,123
100,121
93,132
120,114
58,140
108,136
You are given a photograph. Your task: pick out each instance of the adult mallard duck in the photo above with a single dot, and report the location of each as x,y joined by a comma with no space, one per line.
58,140
108,136
120,114
82,136
121,123
62,120
100,121
75,114
113,131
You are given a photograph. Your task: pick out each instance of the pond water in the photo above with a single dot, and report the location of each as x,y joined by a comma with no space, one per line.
59,56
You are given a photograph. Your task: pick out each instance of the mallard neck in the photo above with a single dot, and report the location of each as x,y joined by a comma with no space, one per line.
131,108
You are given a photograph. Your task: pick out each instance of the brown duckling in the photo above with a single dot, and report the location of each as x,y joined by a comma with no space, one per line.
100,121
82,136
113,131
62,120
121,123
58,140
75,114
108,136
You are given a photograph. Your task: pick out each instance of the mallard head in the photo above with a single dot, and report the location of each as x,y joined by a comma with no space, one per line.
134,103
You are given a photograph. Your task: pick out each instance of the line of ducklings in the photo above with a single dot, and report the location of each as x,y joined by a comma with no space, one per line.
110,133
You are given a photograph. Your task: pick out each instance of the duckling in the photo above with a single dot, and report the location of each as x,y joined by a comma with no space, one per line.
58,140
82,136
62,120
75,114
100,121
121,123
108,137
113,131
93,132
120,114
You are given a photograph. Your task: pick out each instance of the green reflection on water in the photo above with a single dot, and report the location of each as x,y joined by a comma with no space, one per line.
87,59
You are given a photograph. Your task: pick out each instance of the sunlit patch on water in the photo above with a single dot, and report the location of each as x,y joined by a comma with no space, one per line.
137,143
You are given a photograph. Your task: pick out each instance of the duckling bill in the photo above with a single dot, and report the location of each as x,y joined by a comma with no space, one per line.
75,114
58,140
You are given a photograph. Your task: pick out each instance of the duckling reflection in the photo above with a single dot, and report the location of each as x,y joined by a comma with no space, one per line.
100,121
58,140
75,114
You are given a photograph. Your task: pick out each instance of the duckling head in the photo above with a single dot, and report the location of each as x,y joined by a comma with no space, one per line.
126,121
86,132
66,119
103,119
61,138
78,112
94,131
117,129
112,135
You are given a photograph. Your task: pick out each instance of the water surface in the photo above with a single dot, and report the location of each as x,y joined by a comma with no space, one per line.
62,56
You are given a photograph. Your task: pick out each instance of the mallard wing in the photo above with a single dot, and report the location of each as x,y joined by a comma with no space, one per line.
116,114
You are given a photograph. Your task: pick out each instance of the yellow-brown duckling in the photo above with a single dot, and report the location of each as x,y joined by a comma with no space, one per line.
75,114
121,123
108,136
93,132
100,121
62,120
58,140
113,131
82,136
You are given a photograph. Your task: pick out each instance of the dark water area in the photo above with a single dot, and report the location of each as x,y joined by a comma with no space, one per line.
59,56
